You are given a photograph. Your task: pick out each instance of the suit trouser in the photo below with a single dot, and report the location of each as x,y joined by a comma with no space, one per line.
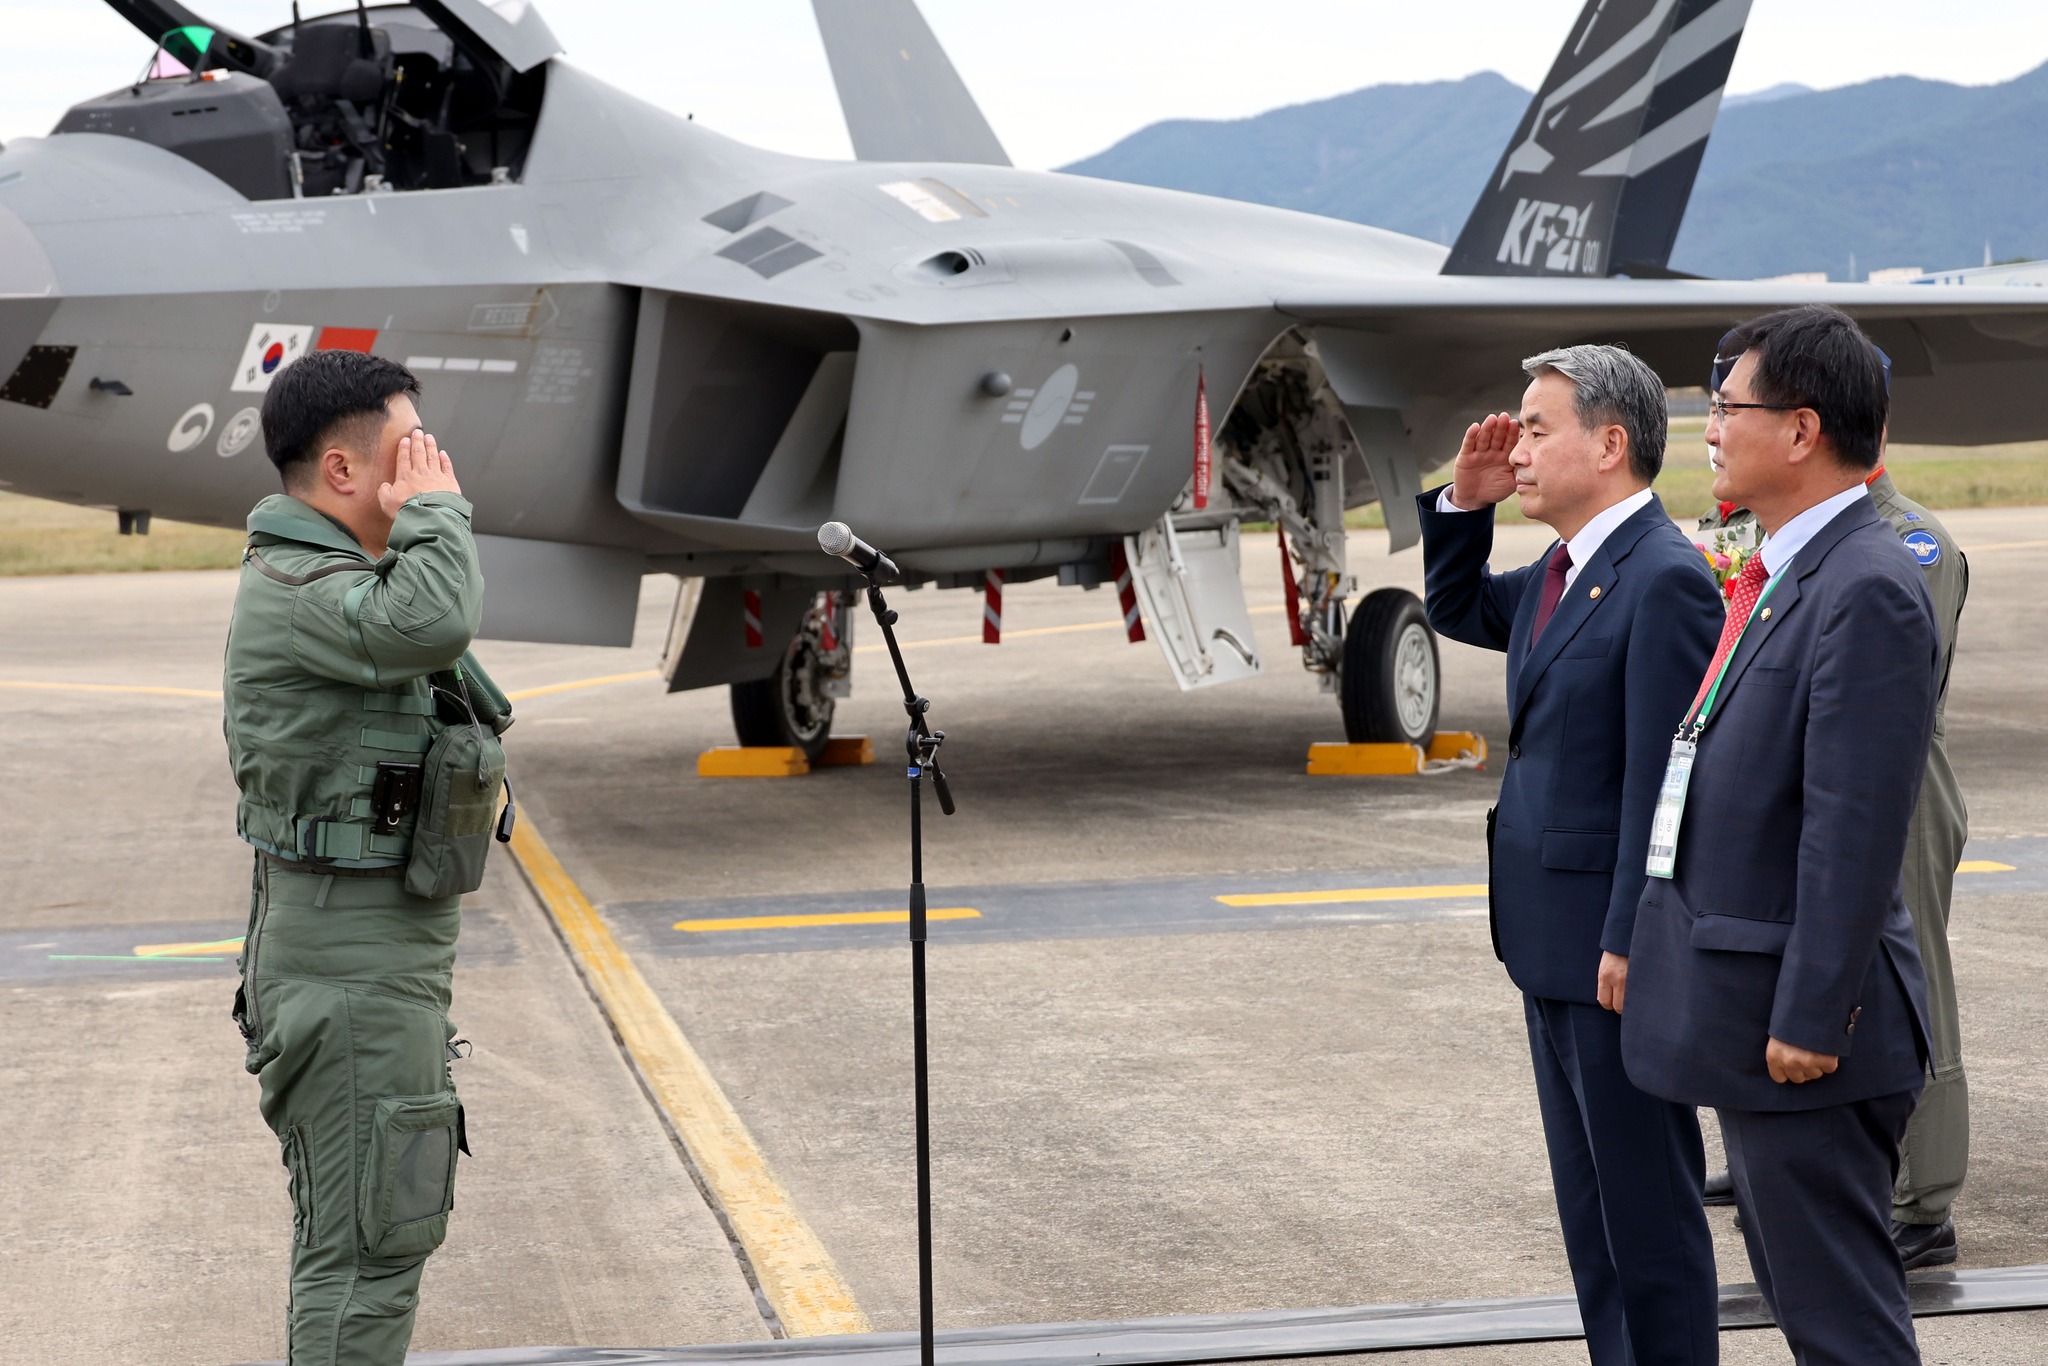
1814,1187
344,1004
1936,1154
1627,1168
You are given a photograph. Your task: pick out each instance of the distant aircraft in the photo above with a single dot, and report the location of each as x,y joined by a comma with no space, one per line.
655,349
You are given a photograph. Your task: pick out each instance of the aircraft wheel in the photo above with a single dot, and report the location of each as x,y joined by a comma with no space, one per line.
788,709
1389,689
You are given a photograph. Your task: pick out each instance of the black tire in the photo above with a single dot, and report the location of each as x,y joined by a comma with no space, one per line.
1391,682
788,709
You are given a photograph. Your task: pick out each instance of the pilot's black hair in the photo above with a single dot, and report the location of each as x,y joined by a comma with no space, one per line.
1817,357
327,398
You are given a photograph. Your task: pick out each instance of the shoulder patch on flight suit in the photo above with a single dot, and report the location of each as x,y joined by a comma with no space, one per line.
1926,549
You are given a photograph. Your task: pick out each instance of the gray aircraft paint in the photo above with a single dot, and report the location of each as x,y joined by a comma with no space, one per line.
928,276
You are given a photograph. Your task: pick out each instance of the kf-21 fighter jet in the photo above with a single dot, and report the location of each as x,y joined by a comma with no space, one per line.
656,349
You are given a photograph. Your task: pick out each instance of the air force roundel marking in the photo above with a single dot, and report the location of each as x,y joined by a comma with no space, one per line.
191,429
1925,548
1048,406
241,429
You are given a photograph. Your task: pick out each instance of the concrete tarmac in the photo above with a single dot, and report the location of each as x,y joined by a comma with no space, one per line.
1146,1102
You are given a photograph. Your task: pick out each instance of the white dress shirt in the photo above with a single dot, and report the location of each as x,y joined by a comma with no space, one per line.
1584,546
1787,541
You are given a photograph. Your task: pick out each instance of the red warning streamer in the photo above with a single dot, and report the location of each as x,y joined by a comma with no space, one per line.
992,607
1294,631
1126,594
1201,439
750,602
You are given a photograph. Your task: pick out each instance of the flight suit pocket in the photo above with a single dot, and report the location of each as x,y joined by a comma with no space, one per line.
298,1162
409,1177
1580,851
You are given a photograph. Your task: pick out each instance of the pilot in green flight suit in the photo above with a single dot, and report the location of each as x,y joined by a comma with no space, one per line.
359,587
1935,1156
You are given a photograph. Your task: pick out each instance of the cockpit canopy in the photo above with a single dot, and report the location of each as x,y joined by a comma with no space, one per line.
431,95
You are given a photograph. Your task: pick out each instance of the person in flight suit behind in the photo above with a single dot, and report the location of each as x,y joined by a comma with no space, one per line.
359,595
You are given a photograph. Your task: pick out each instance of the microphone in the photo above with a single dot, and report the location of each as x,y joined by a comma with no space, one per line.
837,539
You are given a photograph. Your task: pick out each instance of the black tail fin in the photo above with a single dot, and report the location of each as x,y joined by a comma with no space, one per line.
1597,177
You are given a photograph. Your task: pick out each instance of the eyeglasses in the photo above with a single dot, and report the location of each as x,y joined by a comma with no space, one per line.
1721,410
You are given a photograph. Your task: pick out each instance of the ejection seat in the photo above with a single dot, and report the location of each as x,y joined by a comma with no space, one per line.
335,85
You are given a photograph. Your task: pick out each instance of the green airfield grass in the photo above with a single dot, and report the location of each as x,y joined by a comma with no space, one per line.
41,537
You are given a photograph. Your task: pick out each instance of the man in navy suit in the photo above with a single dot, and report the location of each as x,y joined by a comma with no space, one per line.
1606,636
1774,974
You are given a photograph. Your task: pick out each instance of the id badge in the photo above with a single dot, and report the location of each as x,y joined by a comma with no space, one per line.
1670,809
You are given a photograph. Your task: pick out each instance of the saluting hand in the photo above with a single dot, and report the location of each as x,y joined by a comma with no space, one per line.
1483,476
423,467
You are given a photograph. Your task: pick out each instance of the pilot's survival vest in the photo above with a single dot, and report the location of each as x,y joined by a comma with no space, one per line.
311,708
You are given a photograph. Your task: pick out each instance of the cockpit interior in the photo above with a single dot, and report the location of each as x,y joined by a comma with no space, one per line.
376,98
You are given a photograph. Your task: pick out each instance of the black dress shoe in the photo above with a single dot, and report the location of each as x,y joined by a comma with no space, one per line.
1719,1190
1925,1244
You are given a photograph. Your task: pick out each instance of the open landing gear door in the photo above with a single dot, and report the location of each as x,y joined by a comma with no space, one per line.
1188,582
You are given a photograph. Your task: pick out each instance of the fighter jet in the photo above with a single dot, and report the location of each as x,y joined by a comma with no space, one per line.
655,349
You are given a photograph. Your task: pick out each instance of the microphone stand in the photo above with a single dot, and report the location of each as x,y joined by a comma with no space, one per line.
921,745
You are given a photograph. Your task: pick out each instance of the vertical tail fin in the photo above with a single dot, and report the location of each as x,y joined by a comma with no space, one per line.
902,98
1599,172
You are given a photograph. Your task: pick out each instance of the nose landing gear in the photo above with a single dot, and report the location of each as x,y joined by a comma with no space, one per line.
1390,685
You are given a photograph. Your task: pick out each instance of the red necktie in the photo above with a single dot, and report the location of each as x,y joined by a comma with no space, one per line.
1553,588
1742,596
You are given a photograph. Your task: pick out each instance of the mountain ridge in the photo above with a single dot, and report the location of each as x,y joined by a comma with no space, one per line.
1894,171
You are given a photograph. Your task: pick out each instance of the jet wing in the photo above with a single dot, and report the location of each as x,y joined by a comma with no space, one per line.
902,98
512,29
1968,363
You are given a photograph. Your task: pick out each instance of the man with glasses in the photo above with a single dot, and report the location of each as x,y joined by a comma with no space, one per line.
1935,1157
1774,973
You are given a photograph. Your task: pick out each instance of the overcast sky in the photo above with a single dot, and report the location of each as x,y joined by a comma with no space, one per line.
1061,79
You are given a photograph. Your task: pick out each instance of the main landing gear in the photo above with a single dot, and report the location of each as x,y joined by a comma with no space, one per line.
792,707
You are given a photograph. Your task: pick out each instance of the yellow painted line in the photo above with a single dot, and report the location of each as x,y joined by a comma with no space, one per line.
1982,865
189,950
798,922
113,687
552,688
2003,545
795,1272
1350,894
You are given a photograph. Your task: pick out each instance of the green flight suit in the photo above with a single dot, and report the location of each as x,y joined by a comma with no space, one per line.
346,977
1935,1156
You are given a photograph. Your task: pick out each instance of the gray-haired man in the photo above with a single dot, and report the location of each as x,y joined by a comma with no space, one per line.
1607,636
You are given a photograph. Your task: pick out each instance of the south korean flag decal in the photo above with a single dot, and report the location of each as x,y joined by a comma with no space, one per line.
272,346
1925,548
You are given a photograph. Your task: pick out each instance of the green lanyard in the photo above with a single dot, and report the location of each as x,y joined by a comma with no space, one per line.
1699,718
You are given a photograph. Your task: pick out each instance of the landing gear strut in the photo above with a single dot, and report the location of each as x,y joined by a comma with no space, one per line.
792,708
1390,683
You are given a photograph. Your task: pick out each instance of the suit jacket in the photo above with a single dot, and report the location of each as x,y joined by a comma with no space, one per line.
1785,918
1592,706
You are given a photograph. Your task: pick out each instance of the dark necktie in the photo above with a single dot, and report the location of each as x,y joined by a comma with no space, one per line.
1553,588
